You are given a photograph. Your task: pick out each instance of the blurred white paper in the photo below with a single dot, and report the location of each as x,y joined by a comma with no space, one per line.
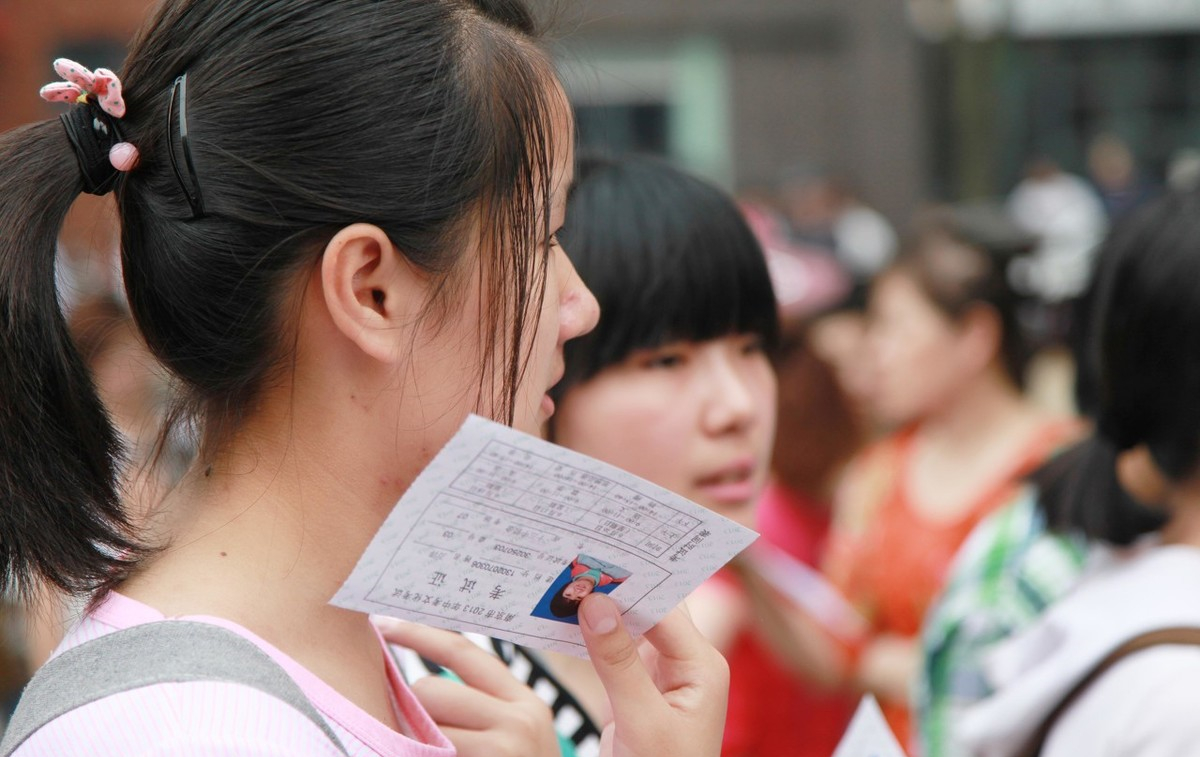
868,734
502,530
807,588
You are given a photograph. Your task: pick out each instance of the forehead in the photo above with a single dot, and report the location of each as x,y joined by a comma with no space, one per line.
562,124
898,290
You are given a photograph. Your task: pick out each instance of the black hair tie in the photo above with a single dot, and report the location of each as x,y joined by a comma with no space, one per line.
93,133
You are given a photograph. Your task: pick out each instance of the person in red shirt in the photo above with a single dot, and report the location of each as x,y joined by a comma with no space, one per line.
818,431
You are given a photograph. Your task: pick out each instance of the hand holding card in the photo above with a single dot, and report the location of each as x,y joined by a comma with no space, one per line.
488,714
668,694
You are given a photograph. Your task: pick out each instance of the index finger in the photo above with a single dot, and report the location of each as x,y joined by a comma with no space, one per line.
477,668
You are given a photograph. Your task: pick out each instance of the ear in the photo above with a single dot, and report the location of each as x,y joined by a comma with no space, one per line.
373,293
1141,477
982,336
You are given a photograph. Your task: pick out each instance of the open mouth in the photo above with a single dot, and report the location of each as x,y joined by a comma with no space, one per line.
733,476
732,485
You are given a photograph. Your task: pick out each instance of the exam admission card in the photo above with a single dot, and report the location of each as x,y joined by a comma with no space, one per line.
504,534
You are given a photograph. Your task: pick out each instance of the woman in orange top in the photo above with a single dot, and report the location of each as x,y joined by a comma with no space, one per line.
948,359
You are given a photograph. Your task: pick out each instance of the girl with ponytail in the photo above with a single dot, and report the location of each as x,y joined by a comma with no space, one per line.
1113,667
338,234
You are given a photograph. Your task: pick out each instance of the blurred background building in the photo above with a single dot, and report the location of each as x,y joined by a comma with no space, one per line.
1077,81
756,91
902,101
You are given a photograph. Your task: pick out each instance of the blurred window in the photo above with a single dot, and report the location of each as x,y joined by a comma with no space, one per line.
618,127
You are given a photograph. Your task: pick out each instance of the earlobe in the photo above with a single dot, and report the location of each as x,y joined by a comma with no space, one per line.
370,289
1141,477
982,328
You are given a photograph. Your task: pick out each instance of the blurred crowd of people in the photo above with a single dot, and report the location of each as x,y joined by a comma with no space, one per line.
900,431
957,515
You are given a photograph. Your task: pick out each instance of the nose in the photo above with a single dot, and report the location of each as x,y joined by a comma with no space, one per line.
731,405
579,312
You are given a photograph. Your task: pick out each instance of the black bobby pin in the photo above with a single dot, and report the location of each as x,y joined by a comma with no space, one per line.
191,189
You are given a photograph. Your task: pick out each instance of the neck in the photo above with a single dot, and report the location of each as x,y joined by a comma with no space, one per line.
1184,524
266,533
976,412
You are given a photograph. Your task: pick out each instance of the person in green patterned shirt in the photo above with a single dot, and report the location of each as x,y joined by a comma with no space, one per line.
1007,573
1013,566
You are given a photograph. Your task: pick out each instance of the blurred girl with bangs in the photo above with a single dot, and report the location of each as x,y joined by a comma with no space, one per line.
948,360
676,384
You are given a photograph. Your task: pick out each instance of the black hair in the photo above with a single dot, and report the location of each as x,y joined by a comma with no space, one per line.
561,607
668,256
97,325
1143,351
1147,339
959,256
303,116
1078,492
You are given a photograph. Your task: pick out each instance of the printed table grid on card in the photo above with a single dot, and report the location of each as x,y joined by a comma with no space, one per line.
508,475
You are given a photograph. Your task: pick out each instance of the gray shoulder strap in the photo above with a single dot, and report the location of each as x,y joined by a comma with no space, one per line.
164,652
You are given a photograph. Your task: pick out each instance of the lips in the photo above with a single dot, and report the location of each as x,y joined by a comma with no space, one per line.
732,484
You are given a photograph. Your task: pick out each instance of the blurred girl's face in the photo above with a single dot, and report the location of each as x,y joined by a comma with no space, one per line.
917,356
697,418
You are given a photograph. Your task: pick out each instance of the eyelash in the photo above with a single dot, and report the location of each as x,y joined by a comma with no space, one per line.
665,360
754,345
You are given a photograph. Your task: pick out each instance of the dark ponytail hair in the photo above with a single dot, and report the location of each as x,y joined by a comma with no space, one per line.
303,116
60,513
1142,353
1079,493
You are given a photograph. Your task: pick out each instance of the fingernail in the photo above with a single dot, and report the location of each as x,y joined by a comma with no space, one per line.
600,612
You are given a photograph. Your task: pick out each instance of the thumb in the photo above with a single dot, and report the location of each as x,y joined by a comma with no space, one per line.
614,655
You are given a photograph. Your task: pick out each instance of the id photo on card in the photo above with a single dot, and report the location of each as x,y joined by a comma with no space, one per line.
585,574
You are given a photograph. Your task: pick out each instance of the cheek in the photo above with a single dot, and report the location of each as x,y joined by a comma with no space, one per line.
540,337
538,360
633,425
911,368
768,393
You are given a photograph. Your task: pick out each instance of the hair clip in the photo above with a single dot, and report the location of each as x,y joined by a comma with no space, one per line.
93,130
191,189
83,86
